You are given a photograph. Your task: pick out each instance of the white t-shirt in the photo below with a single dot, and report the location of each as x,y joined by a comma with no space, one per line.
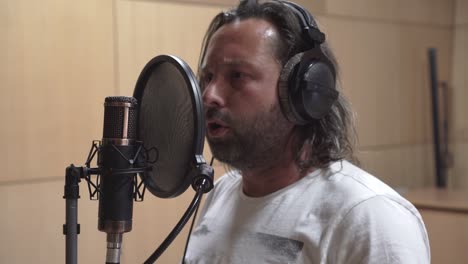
337,215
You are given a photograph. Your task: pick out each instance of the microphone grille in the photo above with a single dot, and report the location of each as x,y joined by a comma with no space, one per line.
120,118
122,99
132,124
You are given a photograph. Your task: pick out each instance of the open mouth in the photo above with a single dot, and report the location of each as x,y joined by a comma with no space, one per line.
214,126
216,129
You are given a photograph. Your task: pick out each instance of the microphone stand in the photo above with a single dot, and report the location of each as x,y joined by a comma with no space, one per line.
71,228
201,183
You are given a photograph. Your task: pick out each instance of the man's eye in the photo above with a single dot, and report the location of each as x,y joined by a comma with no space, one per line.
207,78
237,75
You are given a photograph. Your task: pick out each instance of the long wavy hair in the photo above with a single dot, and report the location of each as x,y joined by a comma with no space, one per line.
321,141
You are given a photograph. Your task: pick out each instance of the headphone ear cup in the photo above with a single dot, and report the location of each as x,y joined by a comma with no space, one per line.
306,88
284,86
316,93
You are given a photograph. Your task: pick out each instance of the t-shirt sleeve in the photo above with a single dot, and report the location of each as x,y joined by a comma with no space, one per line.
380,230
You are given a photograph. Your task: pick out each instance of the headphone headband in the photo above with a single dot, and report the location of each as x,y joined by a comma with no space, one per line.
308,25
306,87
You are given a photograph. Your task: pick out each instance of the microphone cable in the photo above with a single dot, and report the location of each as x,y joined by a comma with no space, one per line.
203,184
193,222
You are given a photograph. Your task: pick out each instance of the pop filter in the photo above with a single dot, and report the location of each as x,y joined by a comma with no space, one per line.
171,121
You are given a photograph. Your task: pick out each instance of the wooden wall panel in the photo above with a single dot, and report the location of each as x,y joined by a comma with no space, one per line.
431,12
415,99
445,215
147,29
457,178
458,85
385,74
316,6
402,167
224,3
56,68
363,49
461,12
31,225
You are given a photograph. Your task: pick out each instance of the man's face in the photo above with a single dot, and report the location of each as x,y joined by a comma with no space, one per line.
245,126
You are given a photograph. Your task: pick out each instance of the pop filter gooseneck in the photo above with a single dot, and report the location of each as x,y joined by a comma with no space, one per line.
171,122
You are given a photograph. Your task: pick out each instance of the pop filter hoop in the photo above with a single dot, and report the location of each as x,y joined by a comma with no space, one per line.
171,120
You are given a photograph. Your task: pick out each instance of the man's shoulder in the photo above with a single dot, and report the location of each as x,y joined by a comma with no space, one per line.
343,186
351,181
359,208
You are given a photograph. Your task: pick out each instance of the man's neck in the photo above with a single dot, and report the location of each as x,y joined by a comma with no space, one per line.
263,181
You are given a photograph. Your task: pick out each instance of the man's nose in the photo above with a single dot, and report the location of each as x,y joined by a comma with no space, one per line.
214,94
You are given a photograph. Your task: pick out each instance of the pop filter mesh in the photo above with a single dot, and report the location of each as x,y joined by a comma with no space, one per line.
168,122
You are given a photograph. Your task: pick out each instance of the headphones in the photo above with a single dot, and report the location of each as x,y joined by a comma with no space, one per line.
306,87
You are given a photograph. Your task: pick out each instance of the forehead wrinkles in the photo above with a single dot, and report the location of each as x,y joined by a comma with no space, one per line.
246,38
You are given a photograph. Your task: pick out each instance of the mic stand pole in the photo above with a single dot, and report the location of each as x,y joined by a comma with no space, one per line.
71,228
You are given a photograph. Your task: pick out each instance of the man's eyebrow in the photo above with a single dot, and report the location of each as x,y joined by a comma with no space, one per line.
229,63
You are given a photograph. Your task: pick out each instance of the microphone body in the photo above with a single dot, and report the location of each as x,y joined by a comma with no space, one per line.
116,155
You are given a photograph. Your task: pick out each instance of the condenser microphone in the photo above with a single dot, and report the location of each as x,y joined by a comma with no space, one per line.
117,156
165,115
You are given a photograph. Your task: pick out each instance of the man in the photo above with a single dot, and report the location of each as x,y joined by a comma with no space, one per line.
291,196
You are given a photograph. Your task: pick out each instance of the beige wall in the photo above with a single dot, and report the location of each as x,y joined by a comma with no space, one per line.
381,47
459,89
60,58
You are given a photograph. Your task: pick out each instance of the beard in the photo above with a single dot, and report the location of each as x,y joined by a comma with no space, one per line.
252,143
